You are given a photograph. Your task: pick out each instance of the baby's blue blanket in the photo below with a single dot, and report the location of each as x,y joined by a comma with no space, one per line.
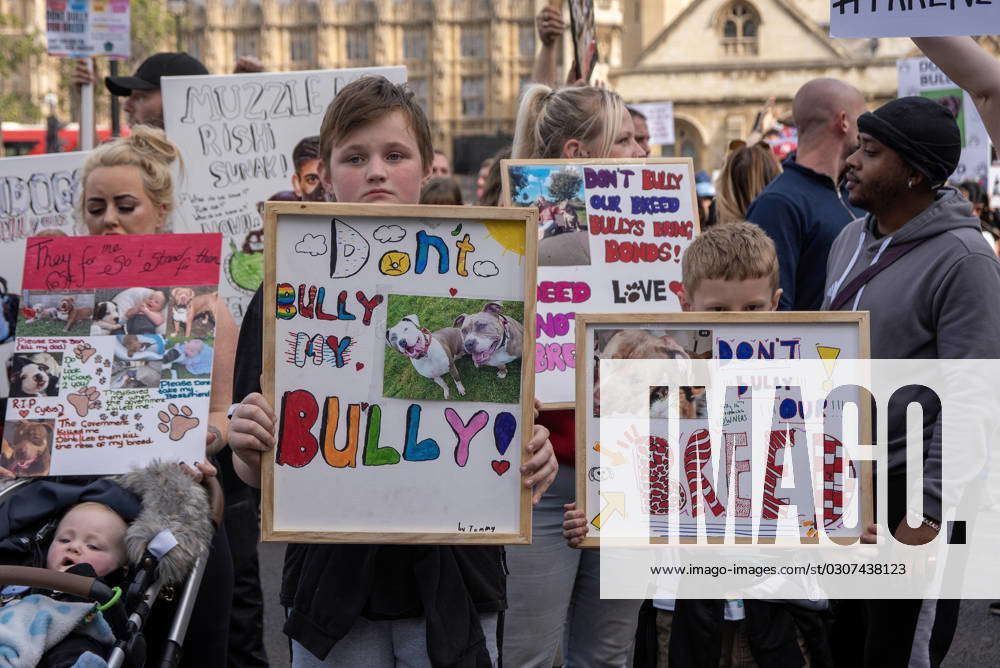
32,625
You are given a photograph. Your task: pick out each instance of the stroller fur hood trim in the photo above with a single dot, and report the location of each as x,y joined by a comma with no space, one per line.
172,501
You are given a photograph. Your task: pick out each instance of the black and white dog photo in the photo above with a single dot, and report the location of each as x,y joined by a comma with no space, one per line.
34,375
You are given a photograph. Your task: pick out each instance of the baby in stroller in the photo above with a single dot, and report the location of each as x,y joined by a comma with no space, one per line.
55,630
93,539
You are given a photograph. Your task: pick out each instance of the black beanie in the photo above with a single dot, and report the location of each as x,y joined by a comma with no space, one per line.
923,132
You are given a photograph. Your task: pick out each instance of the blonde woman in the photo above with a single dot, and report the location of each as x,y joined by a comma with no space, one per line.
128,188
553,591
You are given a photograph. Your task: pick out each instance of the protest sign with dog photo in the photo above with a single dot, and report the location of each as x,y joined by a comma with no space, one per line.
738,445
398,354
610,238
112,363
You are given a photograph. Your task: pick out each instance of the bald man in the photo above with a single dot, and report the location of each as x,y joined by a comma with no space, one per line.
805,208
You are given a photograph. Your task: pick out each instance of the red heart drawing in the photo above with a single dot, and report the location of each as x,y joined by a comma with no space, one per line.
23,414
500,467
676,287
359,365
452,291
365,405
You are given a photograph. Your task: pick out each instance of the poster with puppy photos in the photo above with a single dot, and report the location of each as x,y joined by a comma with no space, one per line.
112,364
611,233
398,361
628,484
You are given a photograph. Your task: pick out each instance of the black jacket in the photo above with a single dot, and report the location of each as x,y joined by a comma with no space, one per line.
328,587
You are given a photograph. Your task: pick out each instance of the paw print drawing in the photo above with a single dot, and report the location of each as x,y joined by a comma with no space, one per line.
631,292
84,400
84,352
98,359
177,422
107,363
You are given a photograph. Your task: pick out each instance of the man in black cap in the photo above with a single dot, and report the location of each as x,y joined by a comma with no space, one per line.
919,265
144,105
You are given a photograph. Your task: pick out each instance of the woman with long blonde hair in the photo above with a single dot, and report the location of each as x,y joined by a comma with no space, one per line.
553,591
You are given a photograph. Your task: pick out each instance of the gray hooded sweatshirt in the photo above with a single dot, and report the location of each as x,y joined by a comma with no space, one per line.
939,301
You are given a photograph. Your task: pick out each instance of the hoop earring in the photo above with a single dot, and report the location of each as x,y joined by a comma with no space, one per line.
909,184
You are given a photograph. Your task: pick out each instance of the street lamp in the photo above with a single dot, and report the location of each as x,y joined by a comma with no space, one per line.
177,9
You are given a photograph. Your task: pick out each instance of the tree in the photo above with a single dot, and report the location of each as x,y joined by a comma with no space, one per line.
152,30
18,48
565,184
518,182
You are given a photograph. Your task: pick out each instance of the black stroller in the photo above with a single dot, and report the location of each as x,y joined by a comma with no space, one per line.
171,524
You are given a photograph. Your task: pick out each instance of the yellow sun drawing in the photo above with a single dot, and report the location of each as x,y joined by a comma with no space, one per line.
509,234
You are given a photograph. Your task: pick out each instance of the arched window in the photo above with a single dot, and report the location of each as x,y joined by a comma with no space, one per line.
740,23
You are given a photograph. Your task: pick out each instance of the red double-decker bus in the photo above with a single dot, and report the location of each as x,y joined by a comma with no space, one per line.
22,139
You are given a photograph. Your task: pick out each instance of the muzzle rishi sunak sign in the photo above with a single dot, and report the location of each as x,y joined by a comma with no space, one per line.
237,134
398,356
651,443
610,238
112,364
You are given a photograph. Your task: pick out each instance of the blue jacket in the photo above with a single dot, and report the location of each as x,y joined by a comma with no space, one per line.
803,212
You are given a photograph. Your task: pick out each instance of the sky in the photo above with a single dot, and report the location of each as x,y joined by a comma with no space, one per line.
538,177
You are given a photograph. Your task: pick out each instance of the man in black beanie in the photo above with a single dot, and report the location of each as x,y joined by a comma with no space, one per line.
919,265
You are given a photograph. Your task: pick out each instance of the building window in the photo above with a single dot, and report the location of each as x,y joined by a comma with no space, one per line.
473,96
302,46
473,42
526,41
740,24
245,43
357,44
415,44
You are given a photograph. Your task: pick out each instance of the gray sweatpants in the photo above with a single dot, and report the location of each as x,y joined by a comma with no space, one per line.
554,597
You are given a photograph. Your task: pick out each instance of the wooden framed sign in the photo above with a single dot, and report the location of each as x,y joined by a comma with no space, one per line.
610,238
708,484
397,356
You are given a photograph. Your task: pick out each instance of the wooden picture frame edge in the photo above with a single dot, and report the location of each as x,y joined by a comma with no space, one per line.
529,217
268,312
583,320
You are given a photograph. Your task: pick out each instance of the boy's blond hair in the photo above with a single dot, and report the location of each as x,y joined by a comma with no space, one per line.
730,252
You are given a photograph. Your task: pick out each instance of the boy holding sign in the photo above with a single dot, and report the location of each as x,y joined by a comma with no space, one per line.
365,604
731,267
